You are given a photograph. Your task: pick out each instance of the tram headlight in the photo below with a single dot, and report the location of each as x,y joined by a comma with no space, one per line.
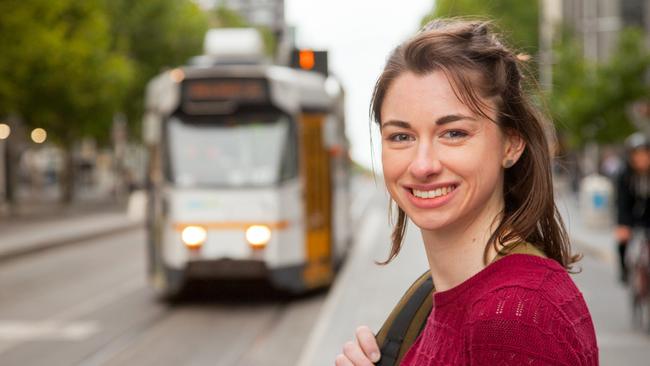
258,236
194,236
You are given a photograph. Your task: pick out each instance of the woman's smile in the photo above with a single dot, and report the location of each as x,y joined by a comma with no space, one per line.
431,197
434,193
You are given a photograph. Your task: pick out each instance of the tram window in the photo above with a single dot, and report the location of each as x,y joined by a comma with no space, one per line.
243,151
290,160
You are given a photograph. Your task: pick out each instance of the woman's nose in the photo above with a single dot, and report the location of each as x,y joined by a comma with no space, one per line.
426,162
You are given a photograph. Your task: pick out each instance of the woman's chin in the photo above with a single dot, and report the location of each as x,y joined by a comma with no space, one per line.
428,223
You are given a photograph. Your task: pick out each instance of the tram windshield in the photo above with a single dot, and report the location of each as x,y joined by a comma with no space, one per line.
231,151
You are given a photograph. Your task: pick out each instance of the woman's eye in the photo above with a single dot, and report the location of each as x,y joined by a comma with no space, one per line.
398,137
454,134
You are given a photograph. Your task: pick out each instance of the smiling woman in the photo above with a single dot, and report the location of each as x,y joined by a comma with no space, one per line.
466,158
437,151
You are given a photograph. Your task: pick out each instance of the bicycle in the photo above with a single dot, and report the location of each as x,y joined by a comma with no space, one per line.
638,264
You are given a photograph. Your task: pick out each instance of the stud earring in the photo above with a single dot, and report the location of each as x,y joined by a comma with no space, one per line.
509,163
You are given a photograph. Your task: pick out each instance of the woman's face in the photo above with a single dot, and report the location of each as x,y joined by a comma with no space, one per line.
640,160
443,164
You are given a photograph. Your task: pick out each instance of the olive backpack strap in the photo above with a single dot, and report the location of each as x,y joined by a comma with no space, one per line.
520,248
406,321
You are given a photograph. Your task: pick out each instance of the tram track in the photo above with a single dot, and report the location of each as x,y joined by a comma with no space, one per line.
103,284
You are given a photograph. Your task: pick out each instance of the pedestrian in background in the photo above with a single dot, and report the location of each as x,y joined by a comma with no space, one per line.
633,195
611,164
466,158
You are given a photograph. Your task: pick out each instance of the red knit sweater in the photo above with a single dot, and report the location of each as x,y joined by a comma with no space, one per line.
519,310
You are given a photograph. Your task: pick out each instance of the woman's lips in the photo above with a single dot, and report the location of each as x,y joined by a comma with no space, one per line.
433,193
423,197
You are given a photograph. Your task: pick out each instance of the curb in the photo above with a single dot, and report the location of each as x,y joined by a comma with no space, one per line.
42,246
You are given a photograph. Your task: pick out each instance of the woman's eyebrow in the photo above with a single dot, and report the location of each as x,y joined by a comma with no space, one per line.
452,118
396,123
440,121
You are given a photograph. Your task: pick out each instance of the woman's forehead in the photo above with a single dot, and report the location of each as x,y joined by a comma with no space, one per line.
433,92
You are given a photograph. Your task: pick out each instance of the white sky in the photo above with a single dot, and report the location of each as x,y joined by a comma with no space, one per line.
359,34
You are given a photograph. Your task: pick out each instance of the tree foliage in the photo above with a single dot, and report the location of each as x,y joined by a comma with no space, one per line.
519,20
69,66
154,35
58,71
588,100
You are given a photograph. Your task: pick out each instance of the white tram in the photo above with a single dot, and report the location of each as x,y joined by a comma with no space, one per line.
248,176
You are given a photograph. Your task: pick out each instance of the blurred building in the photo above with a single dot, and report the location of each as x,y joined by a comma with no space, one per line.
595,22
266,13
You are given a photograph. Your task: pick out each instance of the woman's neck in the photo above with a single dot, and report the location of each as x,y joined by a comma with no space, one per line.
457,253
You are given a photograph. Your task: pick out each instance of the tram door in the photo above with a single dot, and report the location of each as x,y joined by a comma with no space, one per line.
315,165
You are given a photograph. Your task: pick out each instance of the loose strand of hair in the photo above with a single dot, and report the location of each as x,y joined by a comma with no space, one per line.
397,236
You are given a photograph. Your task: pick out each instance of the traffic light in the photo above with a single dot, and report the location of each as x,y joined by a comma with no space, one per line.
309,60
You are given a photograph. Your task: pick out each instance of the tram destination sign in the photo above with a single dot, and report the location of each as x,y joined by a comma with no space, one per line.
232,90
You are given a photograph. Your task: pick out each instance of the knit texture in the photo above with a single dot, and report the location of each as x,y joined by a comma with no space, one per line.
519,310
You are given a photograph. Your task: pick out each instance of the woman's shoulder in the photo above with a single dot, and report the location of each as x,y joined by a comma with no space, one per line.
535,278
534,305
506,275
524,270
532,291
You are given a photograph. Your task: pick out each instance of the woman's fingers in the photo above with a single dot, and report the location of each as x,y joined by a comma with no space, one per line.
363,351
368,343
341,360
353,352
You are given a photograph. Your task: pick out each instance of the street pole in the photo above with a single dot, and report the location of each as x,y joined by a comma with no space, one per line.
119,137
5,132
551,18
3,178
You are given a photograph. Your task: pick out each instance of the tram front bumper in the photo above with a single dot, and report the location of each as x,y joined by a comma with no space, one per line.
227,269
289,278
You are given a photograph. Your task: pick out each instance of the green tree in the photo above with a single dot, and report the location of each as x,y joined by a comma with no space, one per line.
518,19
588,101
154,35
70,65
223,17
58,71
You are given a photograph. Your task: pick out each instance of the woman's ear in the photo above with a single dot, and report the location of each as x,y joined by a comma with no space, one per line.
513,148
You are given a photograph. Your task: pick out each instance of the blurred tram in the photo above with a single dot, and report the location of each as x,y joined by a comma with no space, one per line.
248,175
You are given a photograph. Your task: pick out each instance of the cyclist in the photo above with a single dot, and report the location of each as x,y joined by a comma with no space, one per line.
633,194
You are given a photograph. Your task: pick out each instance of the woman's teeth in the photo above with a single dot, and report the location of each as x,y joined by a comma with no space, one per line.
434,193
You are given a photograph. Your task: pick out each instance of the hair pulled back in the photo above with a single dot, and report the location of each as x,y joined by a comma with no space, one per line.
479,66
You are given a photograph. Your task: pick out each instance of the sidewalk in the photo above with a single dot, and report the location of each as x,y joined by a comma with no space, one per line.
597,242
40,227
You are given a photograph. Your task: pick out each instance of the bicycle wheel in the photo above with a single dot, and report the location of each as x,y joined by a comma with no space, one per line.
637,278
643,286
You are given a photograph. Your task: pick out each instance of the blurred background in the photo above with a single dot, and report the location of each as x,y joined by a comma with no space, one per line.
120,245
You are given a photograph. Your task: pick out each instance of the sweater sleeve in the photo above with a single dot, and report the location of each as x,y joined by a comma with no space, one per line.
520,326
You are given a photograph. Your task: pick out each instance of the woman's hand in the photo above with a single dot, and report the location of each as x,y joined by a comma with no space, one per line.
363,351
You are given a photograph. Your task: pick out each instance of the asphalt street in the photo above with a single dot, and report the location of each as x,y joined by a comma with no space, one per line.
90,305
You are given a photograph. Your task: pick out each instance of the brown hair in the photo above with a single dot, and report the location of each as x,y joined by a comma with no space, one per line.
479,66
